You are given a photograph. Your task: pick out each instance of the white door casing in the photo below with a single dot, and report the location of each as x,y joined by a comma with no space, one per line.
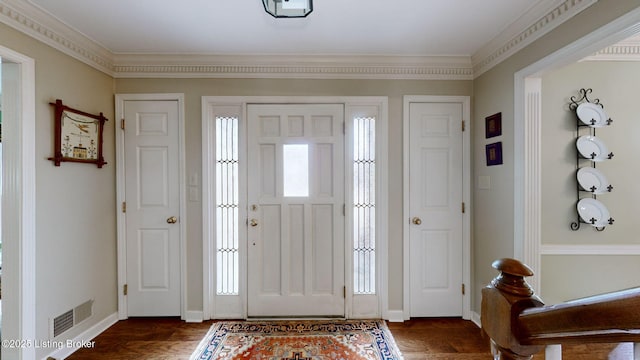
19,201
437,246
222,306
152,223
296,227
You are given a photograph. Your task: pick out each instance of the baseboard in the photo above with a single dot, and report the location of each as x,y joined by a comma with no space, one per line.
84,339
194,316
395,316
475,318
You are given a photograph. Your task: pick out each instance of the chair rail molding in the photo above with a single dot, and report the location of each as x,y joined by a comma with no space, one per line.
602,250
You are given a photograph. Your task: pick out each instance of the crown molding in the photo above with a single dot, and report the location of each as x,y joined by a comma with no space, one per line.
293,66
33,21
506,44
626,50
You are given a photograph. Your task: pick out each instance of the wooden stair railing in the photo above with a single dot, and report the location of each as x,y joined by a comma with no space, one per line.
520,325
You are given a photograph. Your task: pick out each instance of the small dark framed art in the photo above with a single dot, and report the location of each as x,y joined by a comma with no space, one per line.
78,136
494,154
493,125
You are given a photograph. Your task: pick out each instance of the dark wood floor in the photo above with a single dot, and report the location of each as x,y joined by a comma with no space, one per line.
433,339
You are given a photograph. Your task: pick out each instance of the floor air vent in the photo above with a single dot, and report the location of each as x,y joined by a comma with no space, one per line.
71,318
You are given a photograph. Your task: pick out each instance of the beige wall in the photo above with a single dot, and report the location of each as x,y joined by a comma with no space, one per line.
194,89
75,212
616,85
494,92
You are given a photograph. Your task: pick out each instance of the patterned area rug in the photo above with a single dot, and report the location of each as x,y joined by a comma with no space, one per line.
298,340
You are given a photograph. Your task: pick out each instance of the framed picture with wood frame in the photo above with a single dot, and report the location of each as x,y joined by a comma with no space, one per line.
494,153
78,136
493,125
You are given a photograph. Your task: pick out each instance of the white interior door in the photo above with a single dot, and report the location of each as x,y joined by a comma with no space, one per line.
296,210
152,208
435,183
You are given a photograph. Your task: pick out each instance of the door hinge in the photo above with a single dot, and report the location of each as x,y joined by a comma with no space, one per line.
122,124
344,209
463,289
124,206
463,126
344,128
463,207
125,289
344,292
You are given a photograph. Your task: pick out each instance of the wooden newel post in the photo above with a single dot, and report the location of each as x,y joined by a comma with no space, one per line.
519,324
502,302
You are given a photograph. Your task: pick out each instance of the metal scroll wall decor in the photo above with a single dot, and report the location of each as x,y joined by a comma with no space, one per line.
591,182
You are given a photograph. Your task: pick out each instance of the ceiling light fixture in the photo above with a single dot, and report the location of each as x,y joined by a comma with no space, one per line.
288,8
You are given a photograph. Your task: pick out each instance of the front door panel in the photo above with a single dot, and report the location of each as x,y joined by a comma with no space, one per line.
296,221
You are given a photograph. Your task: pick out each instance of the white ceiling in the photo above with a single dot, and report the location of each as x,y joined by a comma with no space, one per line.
340,39
335,27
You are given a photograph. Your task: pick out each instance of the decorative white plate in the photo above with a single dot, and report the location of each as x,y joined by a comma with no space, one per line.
593,180
592,114
592,148
589,209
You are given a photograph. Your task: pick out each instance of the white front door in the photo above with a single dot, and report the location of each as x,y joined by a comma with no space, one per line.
152,208
436,185
296,210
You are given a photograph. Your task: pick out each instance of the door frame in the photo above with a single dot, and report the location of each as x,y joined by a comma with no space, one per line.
527,242
20,276
120,197
466,197
218,307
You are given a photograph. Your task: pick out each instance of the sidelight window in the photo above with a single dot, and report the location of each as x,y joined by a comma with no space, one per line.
364,205
227,201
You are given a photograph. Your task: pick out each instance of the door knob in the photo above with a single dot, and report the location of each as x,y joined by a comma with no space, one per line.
172,220
253,222
416,221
